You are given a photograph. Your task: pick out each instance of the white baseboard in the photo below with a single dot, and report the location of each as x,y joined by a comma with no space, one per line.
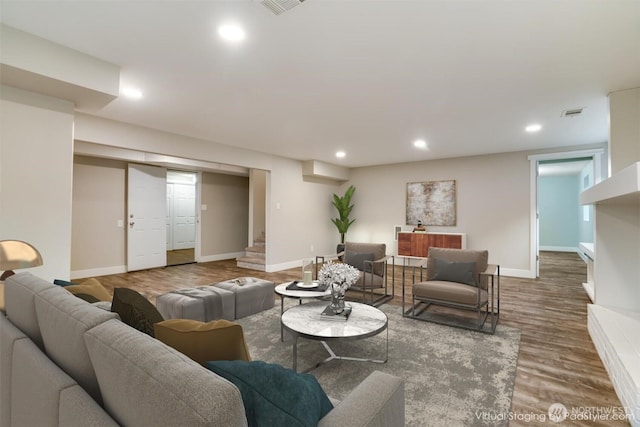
560,248
96,272
515,272
119,269
271,268
220,257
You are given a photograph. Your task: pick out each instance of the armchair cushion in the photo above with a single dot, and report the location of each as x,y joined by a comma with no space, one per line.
379,251
215,340
449,291
459,272
357,260
368,280
481,258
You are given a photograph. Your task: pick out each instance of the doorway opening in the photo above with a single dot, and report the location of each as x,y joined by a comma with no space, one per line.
563,222
559,222
181,217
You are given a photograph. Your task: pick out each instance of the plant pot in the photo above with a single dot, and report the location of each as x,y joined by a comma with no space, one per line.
340,248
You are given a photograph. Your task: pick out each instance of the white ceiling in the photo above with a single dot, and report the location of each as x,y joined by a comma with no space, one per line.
367,77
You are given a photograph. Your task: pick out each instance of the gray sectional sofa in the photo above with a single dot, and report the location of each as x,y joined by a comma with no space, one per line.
65,362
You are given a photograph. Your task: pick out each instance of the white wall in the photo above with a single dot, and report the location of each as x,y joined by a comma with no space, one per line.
98,244
298,214
225,223
493,204
258,202
560,213
36,157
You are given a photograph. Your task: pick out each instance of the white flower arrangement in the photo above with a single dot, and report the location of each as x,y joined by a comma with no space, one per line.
342,275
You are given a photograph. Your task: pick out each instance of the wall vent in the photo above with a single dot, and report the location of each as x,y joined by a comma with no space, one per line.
280,6
572,112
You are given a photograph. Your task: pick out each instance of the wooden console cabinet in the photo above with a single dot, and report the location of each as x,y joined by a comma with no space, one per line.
418,244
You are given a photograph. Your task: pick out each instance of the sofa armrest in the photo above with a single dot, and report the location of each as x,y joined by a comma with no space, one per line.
376,401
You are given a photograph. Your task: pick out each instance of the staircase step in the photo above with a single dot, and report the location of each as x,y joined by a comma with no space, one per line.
254,258
253,263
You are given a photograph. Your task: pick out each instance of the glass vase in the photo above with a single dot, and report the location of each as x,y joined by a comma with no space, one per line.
307,272
337,298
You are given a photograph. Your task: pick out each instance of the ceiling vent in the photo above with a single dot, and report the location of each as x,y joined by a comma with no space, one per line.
574,112
280,6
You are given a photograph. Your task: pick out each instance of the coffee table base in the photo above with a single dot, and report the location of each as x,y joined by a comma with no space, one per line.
334,356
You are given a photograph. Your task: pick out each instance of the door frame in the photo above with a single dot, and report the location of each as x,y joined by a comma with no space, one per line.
534,161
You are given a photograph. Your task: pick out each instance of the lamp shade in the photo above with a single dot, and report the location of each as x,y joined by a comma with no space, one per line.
15,254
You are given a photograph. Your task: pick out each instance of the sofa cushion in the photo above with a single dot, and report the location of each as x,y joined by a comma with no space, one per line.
36,383
274,395
77,408
135,310
63,321
90,287
9,336
215,340
145,382
19,293
451,271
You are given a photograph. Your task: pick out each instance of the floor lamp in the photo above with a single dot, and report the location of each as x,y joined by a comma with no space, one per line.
16,254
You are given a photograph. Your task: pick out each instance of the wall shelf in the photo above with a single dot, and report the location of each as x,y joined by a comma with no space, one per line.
614,316
621,188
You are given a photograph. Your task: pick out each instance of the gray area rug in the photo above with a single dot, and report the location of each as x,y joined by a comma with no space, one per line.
451,375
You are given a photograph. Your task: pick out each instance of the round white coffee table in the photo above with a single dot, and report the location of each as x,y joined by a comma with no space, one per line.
282,290
305,321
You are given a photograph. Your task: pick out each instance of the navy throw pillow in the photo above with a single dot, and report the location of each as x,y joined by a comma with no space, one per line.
274,395
63,283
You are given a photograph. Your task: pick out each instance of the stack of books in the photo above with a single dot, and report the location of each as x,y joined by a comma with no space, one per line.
329,314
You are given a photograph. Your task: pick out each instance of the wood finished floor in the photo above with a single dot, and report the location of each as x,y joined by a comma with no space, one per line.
180,256
557,362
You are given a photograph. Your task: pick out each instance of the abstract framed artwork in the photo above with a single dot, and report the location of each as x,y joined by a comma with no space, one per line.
431,202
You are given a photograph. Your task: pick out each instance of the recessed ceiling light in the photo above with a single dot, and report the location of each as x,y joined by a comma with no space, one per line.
533,128
420,143
340,154
132,93
232,33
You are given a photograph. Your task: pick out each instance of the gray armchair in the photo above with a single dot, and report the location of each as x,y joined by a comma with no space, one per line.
461,279
373,262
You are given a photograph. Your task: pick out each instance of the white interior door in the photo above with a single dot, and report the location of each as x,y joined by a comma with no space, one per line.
184,216
147,204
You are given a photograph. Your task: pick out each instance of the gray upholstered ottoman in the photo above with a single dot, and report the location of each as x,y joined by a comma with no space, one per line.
252,294
203,303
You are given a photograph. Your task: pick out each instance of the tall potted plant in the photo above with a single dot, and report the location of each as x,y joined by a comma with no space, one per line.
344,207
